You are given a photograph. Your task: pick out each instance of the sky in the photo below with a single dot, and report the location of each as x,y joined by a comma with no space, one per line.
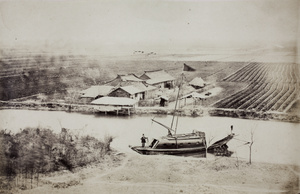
148,24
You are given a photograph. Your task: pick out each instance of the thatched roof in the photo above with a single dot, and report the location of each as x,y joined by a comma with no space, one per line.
134,88
194,95
157,76
197,81
95,91
124,78
130,77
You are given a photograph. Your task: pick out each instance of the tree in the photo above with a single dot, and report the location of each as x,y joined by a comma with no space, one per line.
72,95
93,74
8,155
26,154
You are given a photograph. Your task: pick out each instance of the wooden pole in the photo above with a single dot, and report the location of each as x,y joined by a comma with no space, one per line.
176,102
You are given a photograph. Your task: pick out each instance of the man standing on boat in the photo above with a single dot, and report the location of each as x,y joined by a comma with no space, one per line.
143,140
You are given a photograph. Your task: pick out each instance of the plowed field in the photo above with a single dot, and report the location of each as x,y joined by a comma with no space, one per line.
271,87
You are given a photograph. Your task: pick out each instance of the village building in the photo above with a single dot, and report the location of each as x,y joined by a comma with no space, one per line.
95,92
137,91
123,78
197,83
117,105
158,78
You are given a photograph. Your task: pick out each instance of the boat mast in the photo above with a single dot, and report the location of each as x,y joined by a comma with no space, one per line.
177,119
176,101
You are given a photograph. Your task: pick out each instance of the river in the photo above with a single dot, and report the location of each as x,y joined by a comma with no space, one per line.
274,142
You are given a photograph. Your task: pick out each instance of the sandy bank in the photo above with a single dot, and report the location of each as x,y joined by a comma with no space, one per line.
135,173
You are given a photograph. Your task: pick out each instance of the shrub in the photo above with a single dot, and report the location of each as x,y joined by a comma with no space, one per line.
33,150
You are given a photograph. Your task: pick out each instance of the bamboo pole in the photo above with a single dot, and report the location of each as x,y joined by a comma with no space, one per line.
176,102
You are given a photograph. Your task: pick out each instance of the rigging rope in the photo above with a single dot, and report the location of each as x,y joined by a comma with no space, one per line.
241,140
244,144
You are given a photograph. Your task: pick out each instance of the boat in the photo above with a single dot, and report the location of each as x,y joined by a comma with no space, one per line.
186,144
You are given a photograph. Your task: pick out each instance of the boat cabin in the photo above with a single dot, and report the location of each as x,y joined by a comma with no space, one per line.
191,140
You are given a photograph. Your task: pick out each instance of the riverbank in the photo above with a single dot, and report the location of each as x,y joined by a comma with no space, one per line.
185,111
133,173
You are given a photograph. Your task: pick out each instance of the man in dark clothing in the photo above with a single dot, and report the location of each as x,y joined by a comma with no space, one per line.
143,140
162,102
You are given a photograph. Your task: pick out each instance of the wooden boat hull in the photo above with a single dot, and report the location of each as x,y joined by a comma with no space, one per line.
218,148
179,152
221,143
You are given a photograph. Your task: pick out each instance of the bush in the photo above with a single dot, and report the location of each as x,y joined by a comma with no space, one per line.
107,140
33,150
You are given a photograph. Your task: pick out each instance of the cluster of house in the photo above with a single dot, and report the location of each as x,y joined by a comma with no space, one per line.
127,90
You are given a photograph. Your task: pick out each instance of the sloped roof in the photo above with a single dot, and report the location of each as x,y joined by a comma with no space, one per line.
143,87
158,76
197,81
114,101
131,89
134,88
164,97
194,95
130,77
124,78
84,91
95,91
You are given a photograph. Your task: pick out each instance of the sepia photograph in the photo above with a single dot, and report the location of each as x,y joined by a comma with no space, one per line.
149,96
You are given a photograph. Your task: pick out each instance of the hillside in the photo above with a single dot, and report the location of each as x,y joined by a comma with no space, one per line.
169,174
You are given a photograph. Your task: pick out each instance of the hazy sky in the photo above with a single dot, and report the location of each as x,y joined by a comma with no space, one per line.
148,24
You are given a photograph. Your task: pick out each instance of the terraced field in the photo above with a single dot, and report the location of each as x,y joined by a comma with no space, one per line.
271,87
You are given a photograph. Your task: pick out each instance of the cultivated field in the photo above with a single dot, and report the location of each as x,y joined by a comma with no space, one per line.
254,86
271,87
27,74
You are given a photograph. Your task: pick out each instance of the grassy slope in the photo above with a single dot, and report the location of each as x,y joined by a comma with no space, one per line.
170,174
